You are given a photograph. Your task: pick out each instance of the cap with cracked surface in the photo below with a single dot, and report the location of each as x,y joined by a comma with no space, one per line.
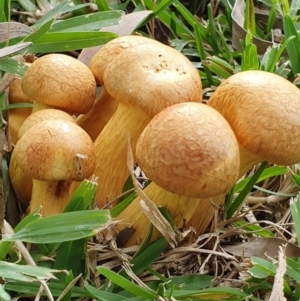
109,51
263,110
62,82
189,149
152,78
56,150
43,115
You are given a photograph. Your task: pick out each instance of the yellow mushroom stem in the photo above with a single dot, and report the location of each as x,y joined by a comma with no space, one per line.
188,212
111,156
52,196
102,110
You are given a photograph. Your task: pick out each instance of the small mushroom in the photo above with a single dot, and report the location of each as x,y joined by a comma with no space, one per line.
156,78
190,153
21,182
60,81
104,106
53,154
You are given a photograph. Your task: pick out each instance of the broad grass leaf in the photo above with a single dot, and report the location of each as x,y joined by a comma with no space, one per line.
90,22
32,288
12,66
29,273
67,41
63,227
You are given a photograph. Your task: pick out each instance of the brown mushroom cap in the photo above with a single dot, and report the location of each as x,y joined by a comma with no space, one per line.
104,56
62,82
189,149
56,151
43,115
263,110
152,78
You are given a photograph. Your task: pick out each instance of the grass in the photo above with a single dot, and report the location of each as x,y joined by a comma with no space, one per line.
72,257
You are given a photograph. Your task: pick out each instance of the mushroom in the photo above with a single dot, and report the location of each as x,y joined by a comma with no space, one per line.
21,182
190,153
17,116
156,78
53,154
104,106
60,81
263,110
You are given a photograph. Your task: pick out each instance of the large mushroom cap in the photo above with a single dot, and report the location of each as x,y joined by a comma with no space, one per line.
56,150
152,78
263,109
189,149
62,82
109,51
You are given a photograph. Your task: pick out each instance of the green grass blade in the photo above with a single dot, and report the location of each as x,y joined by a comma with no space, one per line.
190,19
39,31
295,210
12,66
15,271
233,207
32,288
116,210
102,295
126,284
249,22
201,52
90,22
63,227
267,173
216,68
63,7
102,5
67,41
293,47
295,6
257,230
271,20
69,256
215,293
250,59
4,296
27,5
212,30
58,9
142,261
83,197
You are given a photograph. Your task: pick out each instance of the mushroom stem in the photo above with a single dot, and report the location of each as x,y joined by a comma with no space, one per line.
199,214
247,159
112,155
102,110
52,196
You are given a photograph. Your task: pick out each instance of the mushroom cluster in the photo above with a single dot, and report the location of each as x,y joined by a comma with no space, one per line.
193,153
253,117
52,81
